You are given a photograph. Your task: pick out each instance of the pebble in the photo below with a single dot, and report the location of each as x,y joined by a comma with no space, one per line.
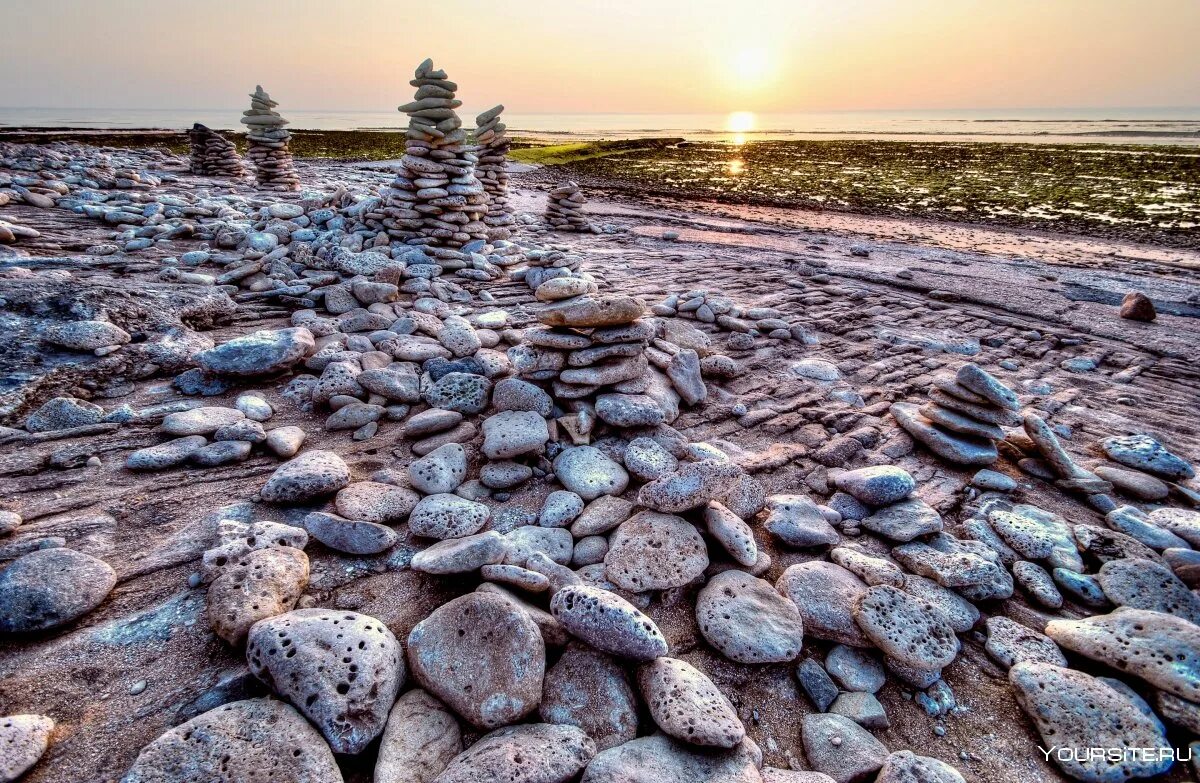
482,656
461,555
376,502
732,533
447,516
1010,643
260,353
798,522
905,520
825,594
881,485
285,442
440,471
687,705
589,473
816,683
561,508
352,536
341,669
862,708
263,583
1071,709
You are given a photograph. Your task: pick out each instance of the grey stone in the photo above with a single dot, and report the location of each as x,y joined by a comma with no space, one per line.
825,595
166,455
687,706
816,683
482,656
447,516
526,541
648,460
904,521
512,433
629,410
855,669
373,501
906,628
421,738
561,508
341,669
255,739
532,753
1010,643
310,475
461,555
660,759
1071,709
1141,452
601,515
1035,580
957,448
1145,584
353,536
63,413
260,584
747,620
653,551
840,748
23,740
591,690
589,473
514,394
879,485
49,588
798,522
906,767
979,381
259,353
440,471
862,708
731,532
607,622
200,421
460,392
692,485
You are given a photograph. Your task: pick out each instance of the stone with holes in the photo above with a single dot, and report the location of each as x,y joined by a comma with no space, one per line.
262,583
652,551
905,628
532,753
687,705
607,622
591,690
310,475
341,669
1145,584
23,740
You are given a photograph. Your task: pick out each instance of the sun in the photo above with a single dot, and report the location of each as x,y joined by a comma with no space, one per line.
751,65
740,122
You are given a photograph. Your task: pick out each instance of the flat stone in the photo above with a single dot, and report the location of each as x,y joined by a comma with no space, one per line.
905,628
585,311
629,410
260,353
341,669
797,521
601,515
1145,584
482,656
978,380
732,533
879,485
660,759
906,767
862,708
1010,643
512,433
285,442
855,669
1134,483
1184,523
825,594
957,448
430,421
1159,648
904,521
447,516
421,738
352,536
840,748
49,588
816,683
310,475
1071,709
687,706
166,455
460,392
589,473
86,335
373,501
63,413
526,541
692,485
1141,452
200,421
1036,534
591,690
461,555
531,753
607,622
747,620
1132,522
255,739
653,551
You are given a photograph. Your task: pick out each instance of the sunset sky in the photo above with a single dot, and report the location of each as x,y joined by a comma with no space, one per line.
605,55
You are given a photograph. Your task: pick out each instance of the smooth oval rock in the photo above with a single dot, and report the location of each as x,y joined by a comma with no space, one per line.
747,620
421,738
48,588
591,690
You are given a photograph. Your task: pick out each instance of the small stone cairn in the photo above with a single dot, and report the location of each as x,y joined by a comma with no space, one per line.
564,208
962,420
493,146
274,169
214,155
435,198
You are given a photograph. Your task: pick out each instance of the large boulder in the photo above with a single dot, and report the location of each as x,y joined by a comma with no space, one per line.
260,353
48,588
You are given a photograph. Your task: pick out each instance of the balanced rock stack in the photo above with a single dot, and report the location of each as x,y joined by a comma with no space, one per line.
268,139
564,208
214,155
962,420
435,198
492,171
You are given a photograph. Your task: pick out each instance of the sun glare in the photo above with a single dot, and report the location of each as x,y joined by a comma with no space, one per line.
740,122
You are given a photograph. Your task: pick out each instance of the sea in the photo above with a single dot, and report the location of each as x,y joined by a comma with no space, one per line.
1171,125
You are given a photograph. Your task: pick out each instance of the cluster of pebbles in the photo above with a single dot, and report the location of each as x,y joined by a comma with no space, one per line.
564,208
213,155
492,170
561,657
268,140
435,198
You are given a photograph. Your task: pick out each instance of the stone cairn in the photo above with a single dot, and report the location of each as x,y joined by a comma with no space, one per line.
435,198
214,155
962,420
274,169
564,208
493,146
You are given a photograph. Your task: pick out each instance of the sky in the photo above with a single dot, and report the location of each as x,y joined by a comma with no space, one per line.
654,56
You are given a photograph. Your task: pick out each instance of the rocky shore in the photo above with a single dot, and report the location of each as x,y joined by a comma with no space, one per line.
311,485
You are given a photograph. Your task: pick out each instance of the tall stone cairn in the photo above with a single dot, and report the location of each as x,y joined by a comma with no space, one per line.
492,170
435,198
214,155
273,166
564,208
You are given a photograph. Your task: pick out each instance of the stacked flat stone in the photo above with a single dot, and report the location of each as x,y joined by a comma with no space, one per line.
273,165
962,420
492,171
218,155
435,198
196,148
564,208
